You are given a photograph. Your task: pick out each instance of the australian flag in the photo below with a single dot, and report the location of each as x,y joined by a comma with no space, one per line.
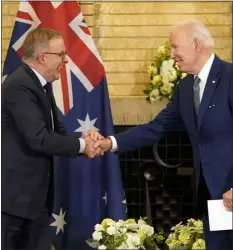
86,191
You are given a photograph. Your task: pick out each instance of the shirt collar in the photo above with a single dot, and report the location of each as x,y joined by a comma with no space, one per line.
204,73
40,77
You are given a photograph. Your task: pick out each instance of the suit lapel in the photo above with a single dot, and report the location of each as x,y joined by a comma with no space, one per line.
210,88
34,77
45,104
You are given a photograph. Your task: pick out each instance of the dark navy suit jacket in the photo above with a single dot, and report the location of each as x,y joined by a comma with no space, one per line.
28,144
211,134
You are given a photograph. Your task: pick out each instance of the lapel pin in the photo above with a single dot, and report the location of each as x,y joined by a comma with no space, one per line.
213,81
211,106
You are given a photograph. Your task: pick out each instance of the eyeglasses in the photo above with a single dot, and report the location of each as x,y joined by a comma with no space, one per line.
61,54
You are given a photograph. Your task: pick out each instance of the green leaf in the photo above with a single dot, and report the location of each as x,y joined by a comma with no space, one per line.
143,218
93,243
147,92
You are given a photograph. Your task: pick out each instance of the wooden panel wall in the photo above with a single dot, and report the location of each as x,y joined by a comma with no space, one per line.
127,34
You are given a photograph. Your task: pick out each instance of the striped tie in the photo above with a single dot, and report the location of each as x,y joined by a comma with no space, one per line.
196,94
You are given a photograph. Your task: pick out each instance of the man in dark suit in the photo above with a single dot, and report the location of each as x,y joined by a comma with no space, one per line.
31,135
203,103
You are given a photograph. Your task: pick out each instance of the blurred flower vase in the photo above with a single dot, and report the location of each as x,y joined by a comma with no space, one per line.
187,236
164,76
129,234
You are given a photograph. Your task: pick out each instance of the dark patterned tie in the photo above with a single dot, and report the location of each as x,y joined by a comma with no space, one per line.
49,95
48,92
196,94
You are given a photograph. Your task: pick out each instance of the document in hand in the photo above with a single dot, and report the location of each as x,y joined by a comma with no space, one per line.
219,218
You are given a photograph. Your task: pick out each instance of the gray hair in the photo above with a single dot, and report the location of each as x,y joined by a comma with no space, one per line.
36,39
196,29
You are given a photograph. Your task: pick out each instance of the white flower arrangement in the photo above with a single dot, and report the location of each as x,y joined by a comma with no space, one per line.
164,75
187,236
127,234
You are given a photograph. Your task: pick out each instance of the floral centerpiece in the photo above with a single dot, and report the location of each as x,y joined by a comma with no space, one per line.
187,236
127,234
164,75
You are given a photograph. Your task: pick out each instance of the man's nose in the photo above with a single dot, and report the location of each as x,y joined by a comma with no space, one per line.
65,59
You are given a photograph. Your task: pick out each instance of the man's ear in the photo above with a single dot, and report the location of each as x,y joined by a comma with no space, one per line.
40,58
197,44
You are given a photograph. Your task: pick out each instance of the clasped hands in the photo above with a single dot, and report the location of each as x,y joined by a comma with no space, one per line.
96,144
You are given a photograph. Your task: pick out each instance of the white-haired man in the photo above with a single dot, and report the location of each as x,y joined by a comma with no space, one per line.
203,103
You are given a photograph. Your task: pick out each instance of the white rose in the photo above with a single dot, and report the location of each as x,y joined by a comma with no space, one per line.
119,223
98,227
123,246
102,247
152,99
165,78
132,226
154,95
169,75
165,64
155,92
97,236
142,222
171,61
166,88
132,240
168,72
168,85
136,240
123,230
111,230
146,229
112,224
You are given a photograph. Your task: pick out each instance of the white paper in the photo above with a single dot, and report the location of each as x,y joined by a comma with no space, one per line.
219,218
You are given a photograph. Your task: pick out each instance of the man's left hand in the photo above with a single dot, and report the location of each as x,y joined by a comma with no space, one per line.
93,134
89,150
227,200
93,137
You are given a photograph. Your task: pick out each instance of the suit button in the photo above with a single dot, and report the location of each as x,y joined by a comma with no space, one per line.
48,174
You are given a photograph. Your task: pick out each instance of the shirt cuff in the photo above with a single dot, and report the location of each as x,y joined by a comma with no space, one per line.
82,145
114,144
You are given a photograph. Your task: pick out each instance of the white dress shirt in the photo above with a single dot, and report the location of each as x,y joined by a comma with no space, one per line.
43,83
203,75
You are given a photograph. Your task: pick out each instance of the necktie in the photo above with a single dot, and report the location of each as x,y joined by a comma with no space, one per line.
48,92
196,94
49,95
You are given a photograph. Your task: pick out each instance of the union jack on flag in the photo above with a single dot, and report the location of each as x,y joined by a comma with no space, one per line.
85,191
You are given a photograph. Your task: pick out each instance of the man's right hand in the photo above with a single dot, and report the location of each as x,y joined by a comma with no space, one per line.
96,146
90,151
105,144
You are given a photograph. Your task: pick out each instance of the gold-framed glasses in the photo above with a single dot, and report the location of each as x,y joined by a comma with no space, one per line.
61,54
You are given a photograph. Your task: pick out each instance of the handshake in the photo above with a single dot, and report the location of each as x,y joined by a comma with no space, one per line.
95,144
